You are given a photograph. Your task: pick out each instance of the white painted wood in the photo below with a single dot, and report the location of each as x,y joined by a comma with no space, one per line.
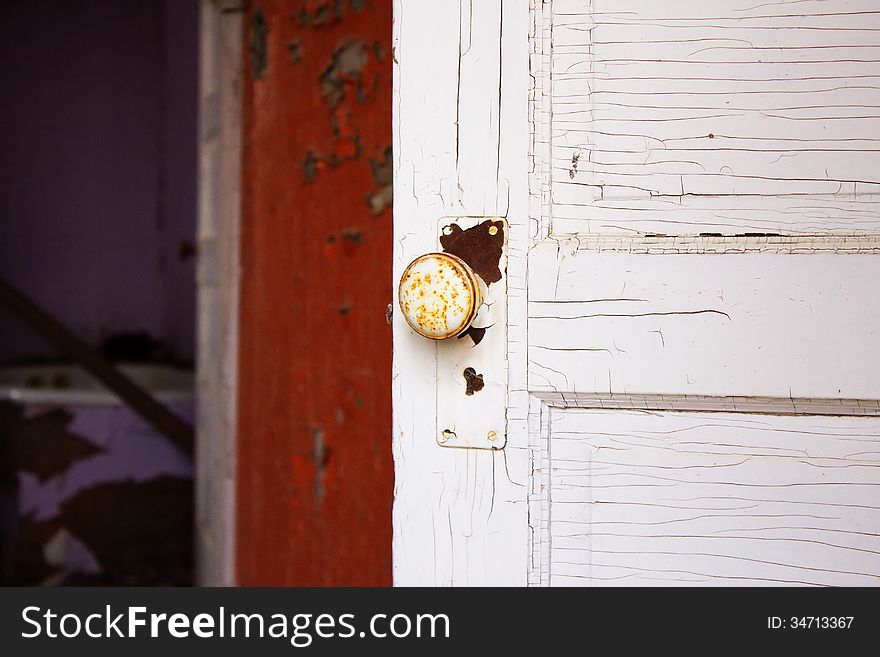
460,516
646,498
218,288
728,116
772,324
754,341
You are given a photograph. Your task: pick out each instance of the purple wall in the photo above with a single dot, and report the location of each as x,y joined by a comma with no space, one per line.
98,167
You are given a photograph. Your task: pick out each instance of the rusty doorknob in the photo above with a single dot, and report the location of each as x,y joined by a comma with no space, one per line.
439,295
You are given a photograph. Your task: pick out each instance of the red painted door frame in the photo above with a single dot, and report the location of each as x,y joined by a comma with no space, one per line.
314,469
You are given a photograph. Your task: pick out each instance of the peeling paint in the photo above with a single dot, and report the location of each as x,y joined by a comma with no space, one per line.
353,235
326,11
152,523
382,171
310,166
320,16
380,200
320,456
315,125
342,80
320,13
114,533
41,444
347,66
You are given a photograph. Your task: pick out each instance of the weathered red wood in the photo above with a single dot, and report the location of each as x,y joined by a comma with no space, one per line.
314,466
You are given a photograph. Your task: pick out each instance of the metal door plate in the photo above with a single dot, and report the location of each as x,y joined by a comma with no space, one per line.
472,368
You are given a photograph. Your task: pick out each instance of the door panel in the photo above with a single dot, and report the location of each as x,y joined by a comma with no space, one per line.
643,498
750,318
729,116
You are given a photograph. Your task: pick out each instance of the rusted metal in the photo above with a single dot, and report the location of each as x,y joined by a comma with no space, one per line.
480,247
474,333
439,295
472,373
474,382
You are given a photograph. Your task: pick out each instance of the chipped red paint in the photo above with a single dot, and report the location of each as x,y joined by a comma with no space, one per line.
314,436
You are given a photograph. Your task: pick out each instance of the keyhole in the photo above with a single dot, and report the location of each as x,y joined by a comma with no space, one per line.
474,382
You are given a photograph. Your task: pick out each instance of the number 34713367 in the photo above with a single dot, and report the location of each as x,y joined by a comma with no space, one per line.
810,622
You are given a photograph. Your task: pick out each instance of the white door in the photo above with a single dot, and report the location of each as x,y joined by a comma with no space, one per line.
681,356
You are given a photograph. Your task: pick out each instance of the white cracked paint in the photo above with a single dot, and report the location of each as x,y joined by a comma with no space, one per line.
692,195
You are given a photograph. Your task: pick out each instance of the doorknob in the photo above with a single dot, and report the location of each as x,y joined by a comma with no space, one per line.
439,295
